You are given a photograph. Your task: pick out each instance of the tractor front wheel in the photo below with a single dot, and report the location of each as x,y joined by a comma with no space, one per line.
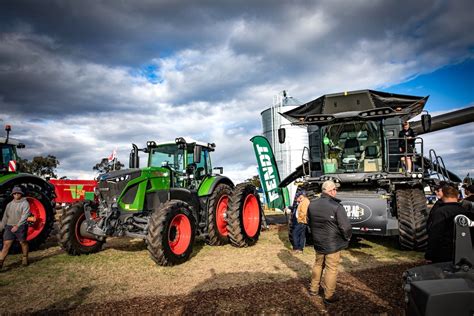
217,213
171,233
70,237
244,216
41,209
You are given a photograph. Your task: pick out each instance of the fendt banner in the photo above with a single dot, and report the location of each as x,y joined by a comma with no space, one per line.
268,172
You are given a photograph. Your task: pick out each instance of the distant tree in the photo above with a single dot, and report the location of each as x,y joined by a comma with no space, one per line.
255,180
105,165
44,167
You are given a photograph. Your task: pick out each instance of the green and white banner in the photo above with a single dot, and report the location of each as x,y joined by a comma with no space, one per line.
268,172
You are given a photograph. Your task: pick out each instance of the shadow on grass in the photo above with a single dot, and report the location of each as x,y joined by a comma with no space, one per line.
69,303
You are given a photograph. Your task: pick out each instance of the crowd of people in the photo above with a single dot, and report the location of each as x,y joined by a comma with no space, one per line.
331,231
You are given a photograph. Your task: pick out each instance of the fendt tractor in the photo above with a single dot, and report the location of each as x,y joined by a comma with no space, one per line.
176,198
353,140
38,192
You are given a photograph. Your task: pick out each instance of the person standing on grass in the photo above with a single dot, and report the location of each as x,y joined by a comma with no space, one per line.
299,232
14,222
331,232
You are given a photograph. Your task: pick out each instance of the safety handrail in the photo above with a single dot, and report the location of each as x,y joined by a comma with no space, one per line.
438,166
398,154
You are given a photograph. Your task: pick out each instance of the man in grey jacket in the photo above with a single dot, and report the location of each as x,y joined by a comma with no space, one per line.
331,232
15,226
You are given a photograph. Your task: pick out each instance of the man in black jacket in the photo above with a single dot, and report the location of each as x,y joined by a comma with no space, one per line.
331,232
441,230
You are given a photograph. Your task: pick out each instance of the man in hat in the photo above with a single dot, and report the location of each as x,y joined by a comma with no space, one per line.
407,145
331,232
299,231
15,226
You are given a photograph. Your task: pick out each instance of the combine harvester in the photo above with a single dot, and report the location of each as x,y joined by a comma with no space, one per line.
353,140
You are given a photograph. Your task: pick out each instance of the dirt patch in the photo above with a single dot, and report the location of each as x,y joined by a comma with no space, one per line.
123,272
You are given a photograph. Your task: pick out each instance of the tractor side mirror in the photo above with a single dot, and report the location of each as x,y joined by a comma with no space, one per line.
20,145
134,160
221,169
281,135
197,153
426,122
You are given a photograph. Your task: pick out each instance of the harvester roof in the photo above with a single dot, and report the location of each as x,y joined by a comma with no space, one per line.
364,104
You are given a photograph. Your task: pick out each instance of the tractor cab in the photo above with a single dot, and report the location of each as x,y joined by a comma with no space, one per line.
8,154
189,163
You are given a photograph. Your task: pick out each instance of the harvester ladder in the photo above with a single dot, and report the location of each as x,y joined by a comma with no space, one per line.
437,165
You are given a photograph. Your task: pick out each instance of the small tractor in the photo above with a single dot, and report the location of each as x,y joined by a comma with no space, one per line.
38,192
354,141
176,198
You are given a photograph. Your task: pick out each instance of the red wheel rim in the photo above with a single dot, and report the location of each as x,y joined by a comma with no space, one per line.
179,234
251,215
220,215
86,242
37,209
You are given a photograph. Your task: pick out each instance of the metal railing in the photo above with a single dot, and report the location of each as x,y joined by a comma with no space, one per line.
397,156
437,166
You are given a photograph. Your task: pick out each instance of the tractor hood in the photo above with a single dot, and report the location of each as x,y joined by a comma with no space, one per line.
363,104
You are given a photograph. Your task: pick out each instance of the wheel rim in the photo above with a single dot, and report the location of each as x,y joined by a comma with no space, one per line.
39,212
251,215
179,234
84,241
221,215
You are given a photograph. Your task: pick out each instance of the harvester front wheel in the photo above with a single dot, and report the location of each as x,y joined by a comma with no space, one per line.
244,216
41,207
217,215
412,216
70,237
171,233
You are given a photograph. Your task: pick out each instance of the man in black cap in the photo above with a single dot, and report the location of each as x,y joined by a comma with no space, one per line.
15,226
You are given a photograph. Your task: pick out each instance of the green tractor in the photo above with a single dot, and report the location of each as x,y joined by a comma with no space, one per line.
38,192
176,198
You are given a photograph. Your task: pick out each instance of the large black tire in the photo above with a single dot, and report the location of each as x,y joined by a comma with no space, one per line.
171,233
217,212
412,216
69,236
244,216
41,206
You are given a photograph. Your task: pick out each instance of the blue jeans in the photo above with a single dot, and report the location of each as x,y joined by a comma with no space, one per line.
299,236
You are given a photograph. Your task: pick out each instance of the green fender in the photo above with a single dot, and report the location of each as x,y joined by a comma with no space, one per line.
209,184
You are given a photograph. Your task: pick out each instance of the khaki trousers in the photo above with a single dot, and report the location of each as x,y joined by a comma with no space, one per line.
329,263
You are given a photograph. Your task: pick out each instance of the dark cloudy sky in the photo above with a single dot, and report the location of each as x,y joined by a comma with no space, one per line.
79,78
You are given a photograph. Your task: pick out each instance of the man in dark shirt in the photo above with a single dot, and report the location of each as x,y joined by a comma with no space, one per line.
331,232
441,231
407,145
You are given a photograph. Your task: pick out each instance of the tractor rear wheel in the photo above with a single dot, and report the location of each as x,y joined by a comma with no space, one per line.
217,212
171,233
244,216
412,217
41,207
70,237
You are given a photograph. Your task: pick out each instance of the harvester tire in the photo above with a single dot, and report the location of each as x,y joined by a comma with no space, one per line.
69,236
412,216
171,233
41,206
244,216
217,212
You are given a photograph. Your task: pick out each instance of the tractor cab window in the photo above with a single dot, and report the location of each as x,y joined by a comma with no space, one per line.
8,154
167,156
352,147
201,167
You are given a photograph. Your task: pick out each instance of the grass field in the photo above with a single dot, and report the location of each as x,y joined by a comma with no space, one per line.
123,270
